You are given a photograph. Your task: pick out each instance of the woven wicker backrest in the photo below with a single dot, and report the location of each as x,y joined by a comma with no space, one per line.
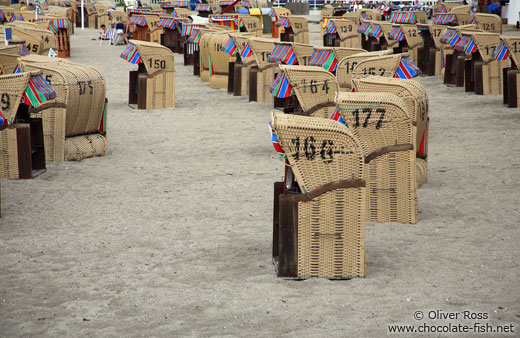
300,26
464,19
155,56
182,13
319,151
206,36
215,8
326,12
280,11
47,38
413,95
80,87
346,66
314,87
8,60
119,16
33,42
11,49
413,38
343,52
379,65
303,53
65,12
252,24
466,9
377,119
386,27
489,22
12,87
219,59
346,28
486,44
436,32
261,49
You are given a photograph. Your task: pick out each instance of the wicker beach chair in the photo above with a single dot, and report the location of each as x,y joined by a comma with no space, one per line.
303,53
482,73
75,128
489,22
314,87
152,86
262,75
295,29
382,124
415,97
37,41
342,33
276,14
507,49
396,65
320,232
243,66
22,153
219,61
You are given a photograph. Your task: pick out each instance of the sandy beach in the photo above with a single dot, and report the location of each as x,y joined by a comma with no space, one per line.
170,234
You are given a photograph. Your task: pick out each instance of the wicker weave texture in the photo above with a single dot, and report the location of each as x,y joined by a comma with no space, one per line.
381,122
330,226
303,53
314,87
347,65
8,154
155,56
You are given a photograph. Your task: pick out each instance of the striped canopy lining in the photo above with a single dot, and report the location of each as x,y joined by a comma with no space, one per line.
225,3
246,52
364,28
194,36
38,91
2,15
138,20
396,34
450,37
501,52
203,8
131,54
229,47
376,31
283,53
167,23
407,69
329,26
325,59
404,18
188,28
274,140
138,11
283,21
281,88
24,50
444,19
466,44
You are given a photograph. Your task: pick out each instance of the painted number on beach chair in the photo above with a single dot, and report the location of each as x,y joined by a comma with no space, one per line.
346,29
514,46
251,25
33,48
45,38
48,78
367,112
298,25
350,66
412,33
6,101
310,146
157,64
490,49
83,85
436,32
315,86
488,26
373,71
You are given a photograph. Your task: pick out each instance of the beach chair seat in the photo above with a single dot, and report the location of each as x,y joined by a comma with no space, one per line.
319,229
